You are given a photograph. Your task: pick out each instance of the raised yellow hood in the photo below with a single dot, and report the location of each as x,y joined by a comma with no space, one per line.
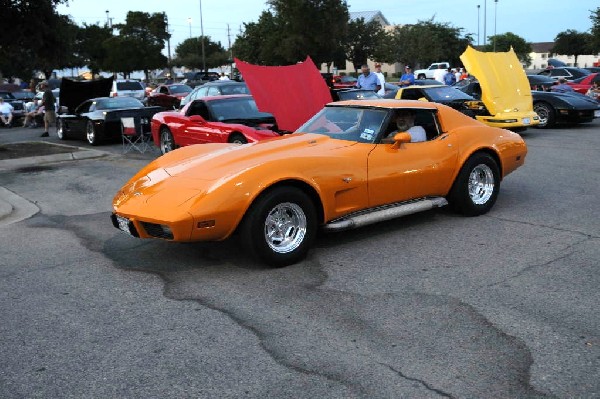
504,85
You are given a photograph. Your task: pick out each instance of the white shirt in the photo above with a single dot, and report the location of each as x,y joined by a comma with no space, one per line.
417,134
6,108
381,78
438,74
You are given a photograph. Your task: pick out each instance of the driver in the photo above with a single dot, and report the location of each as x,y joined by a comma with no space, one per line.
405,122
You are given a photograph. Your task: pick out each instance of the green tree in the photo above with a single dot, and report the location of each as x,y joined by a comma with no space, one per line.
259,42
146,34
90,46
189,53
426,42
507,40
595,31
571,42
363,42
35,37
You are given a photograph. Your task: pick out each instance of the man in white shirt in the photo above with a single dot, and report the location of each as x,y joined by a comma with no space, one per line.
439,73
223,76
405,122
381,78
6,111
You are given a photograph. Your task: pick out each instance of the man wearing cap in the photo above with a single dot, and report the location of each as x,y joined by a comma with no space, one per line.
407,78
368,80
49,103
381,78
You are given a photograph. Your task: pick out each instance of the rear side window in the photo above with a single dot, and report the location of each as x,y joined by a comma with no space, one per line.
129,86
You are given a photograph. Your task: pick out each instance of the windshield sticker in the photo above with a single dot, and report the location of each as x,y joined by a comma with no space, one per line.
366,135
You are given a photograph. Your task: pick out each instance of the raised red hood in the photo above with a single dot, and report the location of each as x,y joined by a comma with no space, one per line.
292,93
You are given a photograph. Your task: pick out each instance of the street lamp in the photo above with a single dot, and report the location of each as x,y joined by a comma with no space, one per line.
202,39
190,24
495,13
478,23
484,21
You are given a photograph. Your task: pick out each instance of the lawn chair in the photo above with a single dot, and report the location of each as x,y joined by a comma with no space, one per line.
134,138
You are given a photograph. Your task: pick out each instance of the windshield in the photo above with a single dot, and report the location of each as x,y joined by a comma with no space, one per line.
129,86
180,89
347,123
235,109
118,102
445,94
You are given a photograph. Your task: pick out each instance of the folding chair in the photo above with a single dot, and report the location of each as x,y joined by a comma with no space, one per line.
134,138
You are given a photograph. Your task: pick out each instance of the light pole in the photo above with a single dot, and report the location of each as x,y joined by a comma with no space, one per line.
202,39
495,13
478,23
484,21
107,18
190,24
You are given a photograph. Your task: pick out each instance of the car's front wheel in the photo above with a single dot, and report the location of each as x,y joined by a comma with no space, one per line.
546,114
167,142
238,138
280,226
477,185
91,134
60,129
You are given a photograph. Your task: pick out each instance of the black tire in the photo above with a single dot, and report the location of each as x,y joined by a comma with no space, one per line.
60,130
476,187
166,140
280,226
237,138
91,134
546,113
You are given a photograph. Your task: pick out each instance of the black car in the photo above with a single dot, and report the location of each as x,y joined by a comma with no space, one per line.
569,73
97,119
215,88
551,107
18,105
448,95
194,79
353,94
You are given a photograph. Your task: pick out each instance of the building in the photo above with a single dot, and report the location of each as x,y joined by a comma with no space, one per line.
541,52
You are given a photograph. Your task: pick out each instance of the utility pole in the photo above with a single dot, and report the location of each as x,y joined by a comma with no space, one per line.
495,18
168,42
478,24
230,53
202,40
484,21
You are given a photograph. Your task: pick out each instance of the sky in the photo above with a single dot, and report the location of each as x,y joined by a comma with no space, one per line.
533,20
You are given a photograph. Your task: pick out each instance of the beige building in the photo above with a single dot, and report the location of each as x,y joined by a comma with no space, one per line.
542,52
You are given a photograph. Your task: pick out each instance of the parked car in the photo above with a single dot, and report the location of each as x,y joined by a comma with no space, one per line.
215,88
593,69
168,96
428,72
194,79
344,81
97,119
582,85
391,88
553,107
276,193
18,105
353,94
538,82
218,119
128,88
569,73
446,95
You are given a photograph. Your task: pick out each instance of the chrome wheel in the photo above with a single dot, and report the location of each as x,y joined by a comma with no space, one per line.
90,133
481,184
60,130
285,227
167,143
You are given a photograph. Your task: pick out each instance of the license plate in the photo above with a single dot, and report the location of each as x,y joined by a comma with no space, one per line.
526,121
124,224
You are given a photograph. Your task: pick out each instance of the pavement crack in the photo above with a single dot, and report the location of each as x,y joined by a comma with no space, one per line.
545,226
426,385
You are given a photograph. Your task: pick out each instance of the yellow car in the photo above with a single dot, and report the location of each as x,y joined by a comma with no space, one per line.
505,100
336,172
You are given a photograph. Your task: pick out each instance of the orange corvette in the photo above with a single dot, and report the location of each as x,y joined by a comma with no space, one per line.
348,166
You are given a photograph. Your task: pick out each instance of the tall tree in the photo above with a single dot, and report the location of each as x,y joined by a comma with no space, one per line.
34,37
189,53
259,42
507,40
595,31
90,46
146,33
426,42
572,42
363,41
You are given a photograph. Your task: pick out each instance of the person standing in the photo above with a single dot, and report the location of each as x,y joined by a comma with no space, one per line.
367,80
49,103
439,73
449,78
407,78
457,74
561,86
381,78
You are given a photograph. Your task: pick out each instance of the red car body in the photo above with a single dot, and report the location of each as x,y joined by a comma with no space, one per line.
216,119
344,82
169,95
582,85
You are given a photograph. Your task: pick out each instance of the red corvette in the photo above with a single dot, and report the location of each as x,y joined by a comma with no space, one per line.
582,85
168,96
217,119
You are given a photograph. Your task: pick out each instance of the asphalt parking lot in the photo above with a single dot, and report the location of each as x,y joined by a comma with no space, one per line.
432,305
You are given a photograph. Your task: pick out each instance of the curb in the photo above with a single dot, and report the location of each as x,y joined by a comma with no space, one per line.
14,208
77,154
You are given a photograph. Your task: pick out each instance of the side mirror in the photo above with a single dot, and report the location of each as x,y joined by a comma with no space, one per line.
197,118
400,138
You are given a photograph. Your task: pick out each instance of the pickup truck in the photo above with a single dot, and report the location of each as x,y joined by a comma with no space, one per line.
428,73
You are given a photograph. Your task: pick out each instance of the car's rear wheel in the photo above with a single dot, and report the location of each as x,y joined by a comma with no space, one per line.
60,129
280,226
237,138
167,142
546,113
477,185
91,134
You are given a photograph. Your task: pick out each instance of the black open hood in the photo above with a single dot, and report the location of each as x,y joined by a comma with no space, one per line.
73,93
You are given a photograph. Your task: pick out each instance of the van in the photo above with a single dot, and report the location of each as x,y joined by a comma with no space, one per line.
128,88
